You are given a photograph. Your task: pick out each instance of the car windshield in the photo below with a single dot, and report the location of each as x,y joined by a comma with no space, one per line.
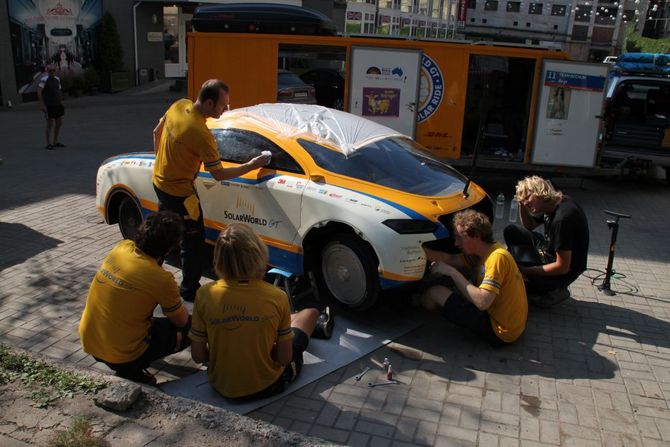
394,162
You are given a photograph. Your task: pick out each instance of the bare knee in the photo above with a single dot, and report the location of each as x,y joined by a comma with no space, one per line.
305,320
435,297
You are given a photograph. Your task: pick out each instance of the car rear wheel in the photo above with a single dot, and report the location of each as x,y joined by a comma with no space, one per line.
349,271
130,218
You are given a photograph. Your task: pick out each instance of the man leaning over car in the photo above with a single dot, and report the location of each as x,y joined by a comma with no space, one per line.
182,142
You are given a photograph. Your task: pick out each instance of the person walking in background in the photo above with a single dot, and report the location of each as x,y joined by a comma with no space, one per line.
182,142
117,326
494,303
243,326
553,260
51,103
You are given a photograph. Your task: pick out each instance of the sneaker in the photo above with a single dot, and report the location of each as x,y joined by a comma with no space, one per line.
59,144
324,326
49,147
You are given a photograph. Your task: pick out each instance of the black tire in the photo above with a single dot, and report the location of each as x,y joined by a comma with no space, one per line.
130,218
348,271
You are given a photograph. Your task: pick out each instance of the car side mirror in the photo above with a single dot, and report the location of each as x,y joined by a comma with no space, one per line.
317,178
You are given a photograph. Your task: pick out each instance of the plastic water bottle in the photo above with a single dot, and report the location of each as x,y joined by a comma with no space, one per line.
500,206
513,210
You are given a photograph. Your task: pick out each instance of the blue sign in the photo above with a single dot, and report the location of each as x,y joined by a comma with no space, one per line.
575,81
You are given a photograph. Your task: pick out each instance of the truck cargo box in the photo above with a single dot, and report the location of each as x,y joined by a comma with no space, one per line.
266,18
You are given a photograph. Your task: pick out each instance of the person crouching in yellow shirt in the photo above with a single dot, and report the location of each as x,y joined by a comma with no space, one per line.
495,305
243,326
117,326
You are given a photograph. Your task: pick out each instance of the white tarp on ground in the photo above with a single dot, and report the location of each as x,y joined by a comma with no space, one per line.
335,128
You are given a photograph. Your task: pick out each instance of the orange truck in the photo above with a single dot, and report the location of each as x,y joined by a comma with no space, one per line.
530,108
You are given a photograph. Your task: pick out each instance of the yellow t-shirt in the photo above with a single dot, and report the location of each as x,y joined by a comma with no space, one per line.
185,143
241,321
121,301
499,274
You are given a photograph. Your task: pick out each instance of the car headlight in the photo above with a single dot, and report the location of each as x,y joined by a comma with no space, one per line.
410,226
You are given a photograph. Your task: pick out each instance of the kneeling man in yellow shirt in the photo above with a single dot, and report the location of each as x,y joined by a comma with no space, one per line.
117,326
494,305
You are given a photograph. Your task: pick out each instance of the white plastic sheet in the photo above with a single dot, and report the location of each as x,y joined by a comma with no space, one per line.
331,127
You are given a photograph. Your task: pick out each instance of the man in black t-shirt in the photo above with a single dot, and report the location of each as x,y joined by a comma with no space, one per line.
552,261
49,94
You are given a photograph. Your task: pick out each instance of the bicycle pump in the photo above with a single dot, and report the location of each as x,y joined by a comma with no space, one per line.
612,224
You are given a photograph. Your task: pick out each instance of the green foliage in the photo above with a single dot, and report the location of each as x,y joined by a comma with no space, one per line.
638,44
53,383
80,434
91,79
110,52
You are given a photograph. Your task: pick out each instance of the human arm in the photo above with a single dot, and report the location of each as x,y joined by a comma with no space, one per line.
158,132
199,351
560,266
481,298
283,352
526,218
227,173
43,107
180,317
455,260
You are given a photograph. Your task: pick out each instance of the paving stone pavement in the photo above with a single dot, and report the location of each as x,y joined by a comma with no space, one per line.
592,371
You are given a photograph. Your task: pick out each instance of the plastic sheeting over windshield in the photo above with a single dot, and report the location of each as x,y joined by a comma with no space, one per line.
334,128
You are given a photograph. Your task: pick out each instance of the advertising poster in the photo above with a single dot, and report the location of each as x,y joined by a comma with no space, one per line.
381,101
559,103
52,31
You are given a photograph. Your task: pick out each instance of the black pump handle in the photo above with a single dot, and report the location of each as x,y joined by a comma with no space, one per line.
624,216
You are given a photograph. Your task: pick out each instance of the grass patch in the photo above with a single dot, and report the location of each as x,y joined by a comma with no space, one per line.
80,434
52,383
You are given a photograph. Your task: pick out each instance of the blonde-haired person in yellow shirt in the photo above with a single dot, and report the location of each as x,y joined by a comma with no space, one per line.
182,143
117,326
494,304
243,326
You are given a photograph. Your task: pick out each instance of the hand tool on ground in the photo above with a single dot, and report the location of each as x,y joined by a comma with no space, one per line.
358,377
388,382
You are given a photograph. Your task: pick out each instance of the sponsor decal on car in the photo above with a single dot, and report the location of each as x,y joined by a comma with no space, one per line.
245,218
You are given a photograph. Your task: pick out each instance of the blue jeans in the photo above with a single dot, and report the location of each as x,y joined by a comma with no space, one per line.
192,243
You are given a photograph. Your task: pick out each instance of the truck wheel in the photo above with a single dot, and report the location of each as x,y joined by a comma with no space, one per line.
349,271
130,218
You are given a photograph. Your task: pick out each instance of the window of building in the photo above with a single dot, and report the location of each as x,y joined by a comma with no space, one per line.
491,5
472,20
516,23
606,15
484,20
558,10
472,4
602,34
535,8
406,6
583,13
527,24
580,32
628,15
555,26
513,6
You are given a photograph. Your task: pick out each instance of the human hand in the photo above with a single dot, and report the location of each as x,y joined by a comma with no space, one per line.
442,268
261,160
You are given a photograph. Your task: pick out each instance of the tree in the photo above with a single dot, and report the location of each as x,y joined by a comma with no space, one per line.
110,52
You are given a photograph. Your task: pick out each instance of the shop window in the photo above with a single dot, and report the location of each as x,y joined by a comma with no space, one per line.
583,13
472,4
513,6
606,15
491,5
558,10
580,32
535,8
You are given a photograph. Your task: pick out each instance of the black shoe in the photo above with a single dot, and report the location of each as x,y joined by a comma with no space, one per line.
49,147
324,326
59,144
143,376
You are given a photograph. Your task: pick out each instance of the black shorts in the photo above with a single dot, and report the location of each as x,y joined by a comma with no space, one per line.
55,112
291,371
463,313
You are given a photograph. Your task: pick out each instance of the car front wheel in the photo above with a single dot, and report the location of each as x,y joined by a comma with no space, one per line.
349,271
130,218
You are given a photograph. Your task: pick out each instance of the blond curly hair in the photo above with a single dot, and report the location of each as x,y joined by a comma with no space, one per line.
538,187
240,254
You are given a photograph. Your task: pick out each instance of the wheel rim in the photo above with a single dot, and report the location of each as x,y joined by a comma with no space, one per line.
129,219
344,274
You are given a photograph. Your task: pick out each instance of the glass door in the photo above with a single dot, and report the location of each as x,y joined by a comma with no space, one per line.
175,26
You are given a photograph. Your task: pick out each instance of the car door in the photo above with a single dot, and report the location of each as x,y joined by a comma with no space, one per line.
268,199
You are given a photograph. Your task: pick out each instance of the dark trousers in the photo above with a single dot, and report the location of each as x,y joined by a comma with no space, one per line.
192,243
164,340
528,249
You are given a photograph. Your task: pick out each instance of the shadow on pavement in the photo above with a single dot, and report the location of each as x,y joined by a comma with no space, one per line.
31,243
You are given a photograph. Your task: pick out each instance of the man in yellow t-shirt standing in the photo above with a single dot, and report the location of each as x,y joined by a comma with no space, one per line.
182,143
117,326
495,305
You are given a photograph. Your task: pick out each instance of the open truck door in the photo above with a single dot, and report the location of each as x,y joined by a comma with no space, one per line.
384,86
569,111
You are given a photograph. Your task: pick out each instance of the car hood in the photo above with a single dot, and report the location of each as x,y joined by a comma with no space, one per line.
331,127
